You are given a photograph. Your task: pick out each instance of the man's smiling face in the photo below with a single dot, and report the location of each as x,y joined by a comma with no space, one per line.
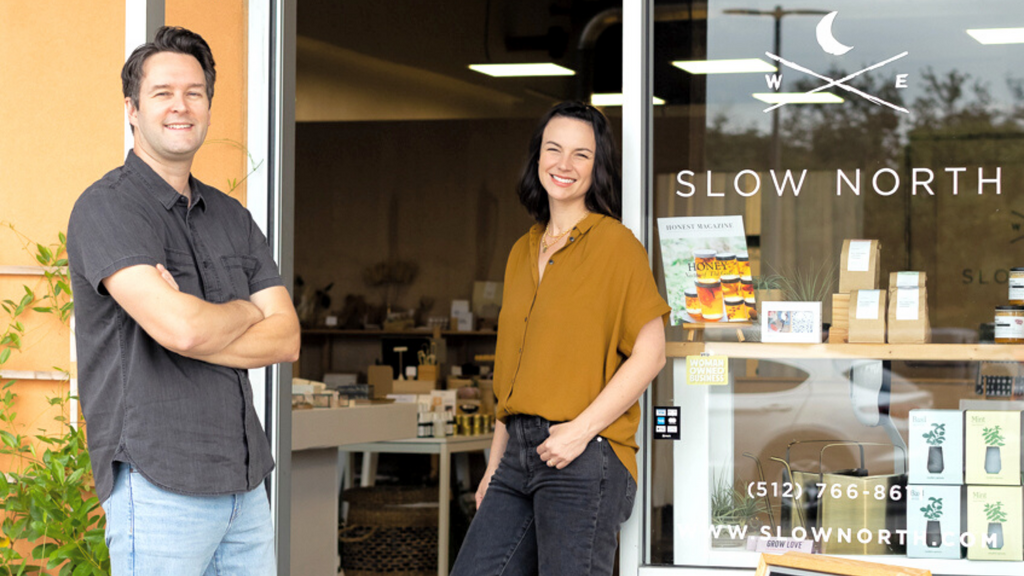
173,114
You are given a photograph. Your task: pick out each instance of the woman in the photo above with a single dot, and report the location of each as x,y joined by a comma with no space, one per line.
581,334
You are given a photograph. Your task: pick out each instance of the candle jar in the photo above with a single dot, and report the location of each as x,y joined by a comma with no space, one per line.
730,286
746,287
709,292
692,304
726,263
705,265
743,264
1009,324
1016,283
736,309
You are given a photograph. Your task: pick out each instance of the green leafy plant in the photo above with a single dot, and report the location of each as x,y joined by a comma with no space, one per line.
48,495
767,282
812,284
933,511
732,507
995,513
993,436
937,435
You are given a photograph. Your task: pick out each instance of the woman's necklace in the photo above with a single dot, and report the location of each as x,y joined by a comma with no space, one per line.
554,239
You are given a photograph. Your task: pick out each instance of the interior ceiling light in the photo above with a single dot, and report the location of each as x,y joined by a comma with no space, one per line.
522,70
616,100
739,66
798,98
998,35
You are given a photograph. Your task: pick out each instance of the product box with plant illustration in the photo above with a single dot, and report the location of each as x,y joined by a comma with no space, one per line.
992,447
934,521
936,447
994,529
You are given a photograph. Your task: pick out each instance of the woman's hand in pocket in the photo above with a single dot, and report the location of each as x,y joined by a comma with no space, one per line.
565,443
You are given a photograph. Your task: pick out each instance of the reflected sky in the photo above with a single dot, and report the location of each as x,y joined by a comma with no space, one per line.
933,32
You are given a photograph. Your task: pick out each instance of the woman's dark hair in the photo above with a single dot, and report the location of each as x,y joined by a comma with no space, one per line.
604,195
168,39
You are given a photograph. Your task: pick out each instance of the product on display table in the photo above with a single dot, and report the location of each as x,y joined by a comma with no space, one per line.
992,447
994,523
867,316
908,309
936,447
934,522
859,265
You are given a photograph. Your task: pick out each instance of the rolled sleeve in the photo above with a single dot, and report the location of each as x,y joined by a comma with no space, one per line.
642,302
107,234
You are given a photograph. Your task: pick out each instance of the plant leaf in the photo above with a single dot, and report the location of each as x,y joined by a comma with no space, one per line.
9,439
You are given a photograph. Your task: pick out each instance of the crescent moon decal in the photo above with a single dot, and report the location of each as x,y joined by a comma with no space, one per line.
827,41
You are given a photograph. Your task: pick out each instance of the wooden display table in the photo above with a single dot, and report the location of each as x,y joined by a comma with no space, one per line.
766,351
445,447
316,436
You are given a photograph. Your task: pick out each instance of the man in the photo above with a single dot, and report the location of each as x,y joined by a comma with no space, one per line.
176,296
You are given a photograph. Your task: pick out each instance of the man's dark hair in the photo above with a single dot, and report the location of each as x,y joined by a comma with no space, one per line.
168,39
604,195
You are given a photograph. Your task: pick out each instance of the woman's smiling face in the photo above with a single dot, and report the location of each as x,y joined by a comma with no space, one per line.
566,164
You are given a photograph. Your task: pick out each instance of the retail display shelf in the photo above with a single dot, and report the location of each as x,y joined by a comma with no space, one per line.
743,559
713,325
937,352
406,333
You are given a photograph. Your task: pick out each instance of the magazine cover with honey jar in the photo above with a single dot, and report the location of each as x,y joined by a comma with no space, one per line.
707,270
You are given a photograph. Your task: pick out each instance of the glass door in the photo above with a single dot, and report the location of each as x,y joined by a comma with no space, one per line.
817,123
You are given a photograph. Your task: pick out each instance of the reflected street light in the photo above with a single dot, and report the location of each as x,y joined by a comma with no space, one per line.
777,14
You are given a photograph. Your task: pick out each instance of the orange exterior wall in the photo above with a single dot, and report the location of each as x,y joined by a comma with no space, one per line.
224,25
63,118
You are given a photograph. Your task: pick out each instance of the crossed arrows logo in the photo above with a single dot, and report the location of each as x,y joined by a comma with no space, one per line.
840,83
832,46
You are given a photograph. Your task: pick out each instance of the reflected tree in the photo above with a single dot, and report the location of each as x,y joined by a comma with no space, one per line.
855,134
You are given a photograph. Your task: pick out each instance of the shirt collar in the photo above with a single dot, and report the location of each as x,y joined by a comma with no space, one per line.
582,227
159,187
587,223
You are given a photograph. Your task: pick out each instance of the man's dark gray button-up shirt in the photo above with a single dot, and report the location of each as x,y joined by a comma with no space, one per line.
186,425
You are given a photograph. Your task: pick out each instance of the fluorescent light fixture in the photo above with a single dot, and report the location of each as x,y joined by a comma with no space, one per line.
998,35
798,98
615,100
522,70
740,66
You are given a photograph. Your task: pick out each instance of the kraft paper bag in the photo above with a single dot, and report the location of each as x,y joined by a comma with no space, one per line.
867,316
859,265
908,309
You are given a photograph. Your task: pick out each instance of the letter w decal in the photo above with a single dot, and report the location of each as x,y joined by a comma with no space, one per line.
774,81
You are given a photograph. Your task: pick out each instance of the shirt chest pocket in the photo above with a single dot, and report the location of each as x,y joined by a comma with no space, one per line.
240,270
182,267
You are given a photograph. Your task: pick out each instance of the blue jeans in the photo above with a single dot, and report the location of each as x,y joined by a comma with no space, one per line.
535,519
153,532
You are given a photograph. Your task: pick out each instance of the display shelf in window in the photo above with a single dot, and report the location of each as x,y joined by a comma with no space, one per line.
926,352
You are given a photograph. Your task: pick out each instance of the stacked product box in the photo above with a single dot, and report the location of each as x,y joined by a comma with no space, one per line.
935,491
992,471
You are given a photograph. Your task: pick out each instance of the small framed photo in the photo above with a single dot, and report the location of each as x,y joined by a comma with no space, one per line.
791,322
801,564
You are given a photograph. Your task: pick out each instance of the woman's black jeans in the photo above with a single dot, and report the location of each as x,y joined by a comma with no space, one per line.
535,519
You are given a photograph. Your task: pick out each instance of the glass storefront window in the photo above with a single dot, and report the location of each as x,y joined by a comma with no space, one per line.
820,122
